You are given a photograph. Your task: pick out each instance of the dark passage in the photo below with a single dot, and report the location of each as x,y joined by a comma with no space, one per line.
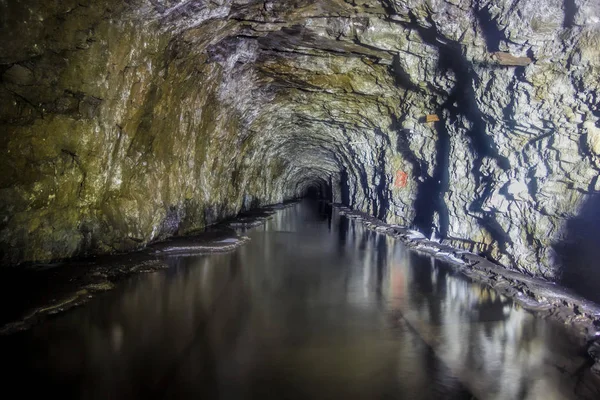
314,307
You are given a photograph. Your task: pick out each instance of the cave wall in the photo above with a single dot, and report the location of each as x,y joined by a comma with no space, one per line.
114,134
125,122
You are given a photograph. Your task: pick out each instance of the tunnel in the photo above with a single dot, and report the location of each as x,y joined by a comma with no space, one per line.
119,117
473,125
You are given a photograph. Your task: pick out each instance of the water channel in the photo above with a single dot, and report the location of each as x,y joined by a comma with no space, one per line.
315,306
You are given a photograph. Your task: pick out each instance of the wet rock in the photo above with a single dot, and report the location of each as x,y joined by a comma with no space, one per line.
100,286
251,219
192,245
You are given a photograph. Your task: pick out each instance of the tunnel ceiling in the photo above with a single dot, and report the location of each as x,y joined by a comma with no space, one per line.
127,122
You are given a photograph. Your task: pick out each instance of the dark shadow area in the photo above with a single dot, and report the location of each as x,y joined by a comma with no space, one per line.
342,234
441,176
381,185
570,9
401,77
463,101
381,266
578,254
313,192
344,188
492,35
319,189
18,284
488,220
430,194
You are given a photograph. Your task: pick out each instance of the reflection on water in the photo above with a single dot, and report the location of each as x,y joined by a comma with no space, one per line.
315,306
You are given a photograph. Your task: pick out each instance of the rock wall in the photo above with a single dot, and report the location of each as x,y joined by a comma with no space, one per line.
125,122
114,133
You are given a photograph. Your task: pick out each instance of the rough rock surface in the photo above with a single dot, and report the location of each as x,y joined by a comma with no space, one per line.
128,122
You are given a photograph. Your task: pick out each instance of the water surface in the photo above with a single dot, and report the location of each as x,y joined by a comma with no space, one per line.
315,306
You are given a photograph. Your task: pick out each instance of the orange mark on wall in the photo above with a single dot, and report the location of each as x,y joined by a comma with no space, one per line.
432,118
401,179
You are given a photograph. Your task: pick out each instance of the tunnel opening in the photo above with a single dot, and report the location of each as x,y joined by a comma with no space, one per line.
313,192
204,126
314,188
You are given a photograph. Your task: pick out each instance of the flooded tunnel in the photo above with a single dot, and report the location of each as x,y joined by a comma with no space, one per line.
300,199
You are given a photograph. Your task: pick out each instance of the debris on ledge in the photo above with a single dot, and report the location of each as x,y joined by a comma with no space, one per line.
503,58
